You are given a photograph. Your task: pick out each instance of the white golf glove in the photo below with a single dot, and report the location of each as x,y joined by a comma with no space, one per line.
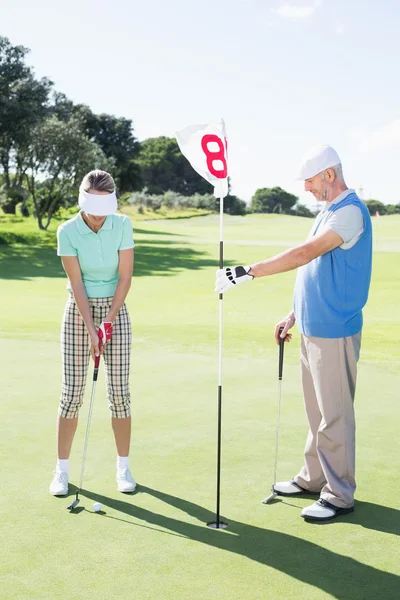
227,278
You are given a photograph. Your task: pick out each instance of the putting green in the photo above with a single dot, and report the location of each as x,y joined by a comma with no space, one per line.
154,544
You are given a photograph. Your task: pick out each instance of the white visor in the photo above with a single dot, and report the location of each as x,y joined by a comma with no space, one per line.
99,205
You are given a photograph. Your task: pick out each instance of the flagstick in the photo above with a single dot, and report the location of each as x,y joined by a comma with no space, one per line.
218,524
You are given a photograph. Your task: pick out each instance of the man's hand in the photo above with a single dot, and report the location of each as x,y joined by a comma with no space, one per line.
227,278
287,324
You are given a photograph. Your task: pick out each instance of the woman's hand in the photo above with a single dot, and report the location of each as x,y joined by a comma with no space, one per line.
105,332
100,338
95,347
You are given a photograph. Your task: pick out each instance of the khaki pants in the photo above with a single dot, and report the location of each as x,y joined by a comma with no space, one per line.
329,371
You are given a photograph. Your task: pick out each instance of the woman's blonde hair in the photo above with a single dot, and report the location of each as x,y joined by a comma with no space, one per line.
97,180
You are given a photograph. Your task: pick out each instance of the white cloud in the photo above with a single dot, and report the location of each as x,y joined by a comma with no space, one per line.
294,12
340,29
387,136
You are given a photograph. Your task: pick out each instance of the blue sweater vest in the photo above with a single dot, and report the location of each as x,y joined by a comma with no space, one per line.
331,290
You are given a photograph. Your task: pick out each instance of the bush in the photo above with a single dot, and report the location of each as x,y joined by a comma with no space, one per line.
173,200
205,201
143,199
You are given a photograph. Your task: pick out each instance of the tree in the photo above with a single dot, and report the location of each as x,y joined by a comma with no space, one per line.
3,197
393,209
114,135
272,200
164,168
375,205
301,210
59,156
23,104
234,205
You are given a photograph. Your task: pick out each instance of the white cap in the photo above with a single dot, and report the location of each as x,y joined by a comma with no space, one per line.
318,159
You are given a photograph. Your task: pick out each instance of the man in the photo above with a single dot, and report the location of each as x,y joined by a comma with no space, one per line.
333,278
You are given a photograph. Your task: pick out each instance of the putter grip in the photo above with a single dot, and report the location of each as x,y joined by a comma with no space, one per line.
281,349
96,367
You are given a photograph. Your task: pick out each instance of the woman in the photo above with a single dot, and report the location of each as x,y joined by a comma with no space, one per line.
96,249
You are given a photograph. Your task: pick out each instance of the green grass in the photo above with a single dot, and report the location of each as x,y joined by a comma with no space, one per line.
154,544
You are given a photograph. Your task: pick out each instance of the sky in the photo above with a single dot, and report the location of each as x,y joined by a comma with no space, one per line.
285,76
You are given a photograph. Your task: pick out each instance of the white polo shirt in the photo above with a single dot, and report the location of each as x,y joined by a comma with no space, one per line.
348,222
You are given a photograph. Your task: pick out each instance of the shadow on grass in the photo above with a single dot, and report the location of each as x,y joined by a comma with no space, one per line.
137,230
167,258
158,258
338,575
24,262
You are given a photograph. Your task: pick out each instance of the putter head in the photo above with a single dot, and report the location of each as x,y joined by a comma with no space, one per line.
73,504
271,497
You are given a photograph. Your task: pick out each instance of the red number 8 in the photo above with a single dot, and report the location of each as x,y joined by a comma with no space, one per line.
216,155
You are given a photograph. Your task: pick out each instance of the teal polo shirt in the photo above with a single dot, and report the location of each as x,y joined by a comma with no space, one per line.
97,252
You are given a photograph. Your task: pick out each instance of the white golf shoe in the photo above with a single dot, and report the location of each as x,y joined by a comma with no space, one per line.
322,510
125,481
59,485
290,488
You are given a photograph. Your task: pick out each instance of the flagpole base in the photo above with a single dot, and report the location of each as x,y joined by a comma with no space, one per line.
217,525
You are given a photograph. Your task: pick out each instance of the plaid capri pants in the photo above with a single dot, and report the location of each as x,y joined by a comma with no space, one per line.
75,350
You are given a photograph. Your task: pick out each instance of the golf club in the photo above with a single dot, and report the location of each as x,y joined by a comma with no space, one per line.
274,494
75,502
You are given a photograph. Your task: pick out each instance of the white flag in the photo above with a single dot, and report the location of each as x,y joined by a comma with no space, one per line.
205,147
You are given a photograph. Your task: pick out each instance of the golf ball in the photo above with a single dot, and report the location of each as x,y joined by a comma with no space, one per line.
97,507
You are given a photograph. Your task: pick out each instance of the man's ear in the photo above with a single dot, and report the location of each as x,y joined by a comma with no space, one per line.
330,175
